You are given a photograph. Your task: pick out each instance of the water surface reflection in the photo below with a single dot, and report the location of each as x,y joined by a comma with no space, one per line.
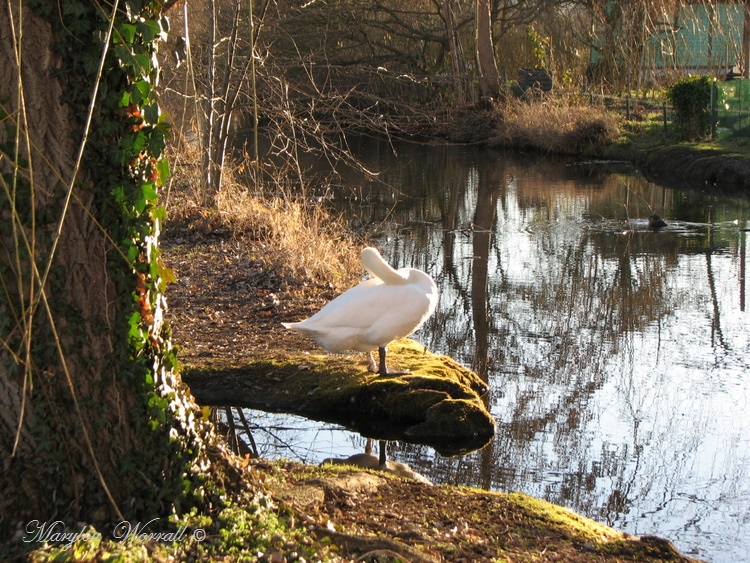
617,356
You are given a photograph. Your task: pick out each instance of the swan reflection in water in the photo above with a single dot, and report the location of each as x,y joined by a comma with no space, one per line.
369,461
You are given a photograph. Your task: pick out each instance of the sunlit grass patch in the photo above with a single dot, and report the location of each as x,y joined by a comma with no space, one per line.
300,235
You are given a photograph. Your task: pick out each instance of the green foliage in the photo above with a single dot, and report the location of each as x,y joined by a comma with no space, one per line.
691,98
539,48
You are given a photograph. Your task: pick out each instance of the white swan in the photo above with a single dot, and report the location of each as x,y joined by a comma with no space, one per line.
390,305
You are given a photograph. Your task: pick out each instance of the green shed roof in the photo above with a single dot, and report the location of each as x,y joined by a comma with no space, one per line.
699,36
702,36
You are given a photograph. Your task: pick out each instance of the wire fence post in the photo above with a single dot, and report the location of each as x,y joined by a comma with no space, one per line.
714,109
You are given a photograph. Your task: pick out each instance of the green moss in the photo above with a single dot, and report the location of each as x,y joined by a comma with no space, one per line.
403,404
439,403
574,524
253,531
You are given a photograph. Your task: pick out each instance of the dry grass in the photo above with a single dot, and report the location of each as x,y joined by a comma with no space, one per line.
301,235
297,236
553,127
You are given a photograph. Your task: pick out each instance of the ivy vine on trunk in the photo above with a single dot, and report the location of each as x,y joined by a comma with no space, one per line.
94,424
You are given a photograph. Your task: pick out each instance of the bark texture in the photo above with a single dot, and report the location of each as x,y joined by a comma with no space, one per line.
489,77
65,415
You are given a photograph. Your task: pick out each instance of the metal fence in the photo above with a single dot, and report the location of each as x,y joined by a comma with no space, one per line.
730,108
634,108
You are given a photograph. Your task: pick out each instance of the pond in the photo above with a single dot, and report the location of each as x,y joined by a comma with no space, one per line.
617,355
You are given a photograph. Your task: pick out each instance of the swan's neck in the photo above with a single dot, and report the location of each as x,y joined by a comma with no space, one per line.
374,263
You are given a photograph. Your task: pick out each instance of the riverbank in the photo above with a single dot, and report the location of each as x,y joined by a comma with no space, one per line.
690,166
660,155
593,132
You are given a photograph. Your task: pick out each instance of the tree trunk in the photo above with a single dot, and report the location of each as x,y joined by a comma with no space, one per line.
489,77
746,41
77,402
458,63
210,167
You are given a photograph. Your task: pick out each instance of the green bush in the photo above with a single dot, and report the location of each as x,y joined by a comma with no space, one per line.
691,100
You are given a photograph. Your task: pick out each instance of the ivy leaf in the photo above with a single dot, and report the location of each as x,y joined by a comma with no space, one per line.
140,204
146,195
149,191
135,331
125,54
163,167
151,112
157,144
140,91
119,194
126,32
144,64
130,147
75,9
149,29
166,273
159,213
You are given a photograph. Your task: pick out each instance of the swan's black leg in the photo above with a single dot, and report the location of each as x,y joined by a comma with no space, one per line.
382,369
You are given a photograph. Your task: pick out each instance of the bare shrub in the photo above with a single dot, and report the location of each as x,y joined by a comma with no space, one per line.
559,128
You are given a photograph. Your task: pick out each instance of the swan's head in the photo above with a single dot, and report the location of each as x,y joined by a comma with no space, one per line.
370,254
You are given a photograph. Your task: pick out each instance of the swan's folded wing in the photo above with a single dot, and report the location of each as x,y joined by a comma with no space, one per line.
372,314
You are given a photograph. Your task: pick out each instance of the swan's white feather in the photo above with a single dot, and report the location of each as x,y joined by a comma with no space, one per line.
375,312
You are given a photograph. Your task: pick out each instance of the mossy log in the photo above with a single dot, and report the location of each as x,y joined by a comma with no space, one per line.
439,403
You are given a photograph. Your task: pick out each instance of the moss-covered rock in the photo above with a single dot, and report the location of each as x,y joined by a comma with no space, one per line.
439,403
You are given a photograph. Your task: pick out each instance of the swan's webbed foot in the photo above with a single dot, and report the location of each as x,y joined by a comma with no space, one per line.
382,369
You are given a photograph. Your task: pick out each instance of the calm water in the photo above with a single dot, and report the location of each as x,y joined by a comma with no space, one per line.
617,356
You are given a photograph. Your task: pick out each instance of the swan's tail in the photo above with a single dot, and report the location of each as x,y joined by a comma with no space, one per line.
300,327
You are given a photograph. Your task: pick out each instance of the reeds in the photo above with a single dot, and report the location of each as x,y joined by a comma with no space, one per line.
300,234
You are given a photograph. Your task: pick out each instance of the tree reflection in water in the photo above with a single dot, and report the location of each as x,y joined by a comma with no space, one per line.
615,354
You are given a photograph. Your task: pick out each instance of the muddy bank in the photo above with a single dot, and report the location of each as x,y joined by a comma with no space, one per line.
680,165
685,166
